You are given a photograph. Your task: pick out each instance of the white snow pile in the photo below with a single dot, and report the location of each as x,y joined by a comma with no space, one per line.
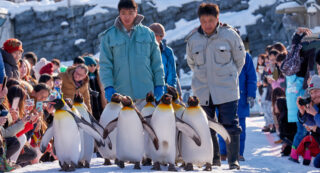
64,23
95,10
237,19
261,155
79,41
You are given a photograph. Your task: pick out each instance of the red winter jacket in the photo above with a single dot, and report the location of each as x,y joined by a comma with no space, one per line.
27,127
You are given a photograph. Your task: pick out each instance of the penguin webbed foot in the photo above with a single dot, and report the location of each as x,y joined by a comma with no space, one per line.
107,162
156,166
137,165
86,164
172,168
120,164
64,166
80,165
188,167
72,167
146,162
208,167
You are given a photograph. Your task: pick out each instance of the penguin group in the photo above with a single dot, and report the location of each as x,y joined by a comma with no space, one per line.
163,133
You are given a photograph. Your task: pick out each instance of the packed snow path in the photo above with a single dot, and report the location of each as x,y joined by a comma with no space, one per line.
261,155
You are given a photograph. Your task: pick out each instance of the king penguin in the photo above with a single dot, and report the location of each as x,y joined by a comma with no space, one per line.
147,112
65,131
164,123
130,139
110,112
88,141
197,118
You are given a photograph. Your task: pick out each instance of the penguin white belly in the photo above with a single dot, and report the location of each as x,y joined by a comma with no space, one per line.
191,153
130,139
67,140
164,125
87,141
110,112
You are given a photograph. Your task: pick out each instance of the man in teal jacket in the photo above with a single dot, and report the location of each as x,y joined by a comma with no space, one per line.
130,59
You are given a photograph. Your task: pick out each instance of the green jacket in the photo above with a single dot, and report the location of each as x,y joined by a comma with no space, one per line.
131,64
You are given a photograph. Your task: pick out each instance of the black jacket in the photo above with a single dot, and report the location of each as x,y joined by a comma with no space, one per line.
10,65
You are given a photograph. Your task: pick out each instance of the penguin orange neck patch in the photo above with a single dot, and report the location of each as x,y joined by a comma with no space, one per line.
149,104
126,108
176,106
165,106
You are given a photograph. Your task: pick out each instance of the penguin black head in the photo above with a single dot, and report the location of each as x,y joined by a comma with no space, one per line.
173,92
193,101
150,97
57,103
78,98
166,99
68,102
116,97
127,101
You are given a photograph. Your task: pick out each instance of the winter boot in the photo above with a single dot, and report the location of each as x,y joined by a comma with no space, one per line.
216,150
307,157
294,155
233,152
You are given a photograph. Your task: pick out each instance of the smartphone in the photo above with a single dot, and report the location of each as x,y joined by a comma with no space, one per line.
15,103
39,106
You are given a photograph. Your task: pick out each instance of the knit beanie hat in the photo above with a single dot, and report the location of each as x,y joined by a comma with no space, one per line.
48,69
89,61
12,45
37,67
158,29
314,83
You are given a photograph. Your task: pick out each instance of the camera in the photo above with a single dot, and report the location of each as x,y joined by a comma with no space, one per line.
95,94
304,100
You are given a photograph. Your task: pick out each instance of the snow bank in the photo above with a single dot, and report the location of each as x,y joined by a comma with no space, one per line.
287,5
97,9
235,19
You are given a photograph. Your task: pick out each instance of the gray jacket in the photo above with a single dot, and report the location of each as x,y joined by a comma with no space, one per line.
12,130
216,62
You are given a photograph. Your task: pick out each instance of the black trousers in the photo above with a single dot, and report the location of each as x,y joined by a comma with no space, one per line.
13,146
227,117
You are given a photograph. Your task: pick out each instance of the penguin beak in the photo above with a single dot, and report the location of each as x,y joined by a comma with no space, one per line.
52,103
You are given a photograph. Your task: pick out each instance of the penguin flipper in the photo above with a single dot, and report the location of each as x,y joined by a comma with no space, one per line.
188,130
46,138
220,130
88,128
152,134
110,127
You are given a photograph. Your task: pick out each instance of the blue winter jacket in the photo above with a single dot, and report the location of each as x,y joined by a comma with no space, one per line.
248,86
2,70
169,64
310,120
131,64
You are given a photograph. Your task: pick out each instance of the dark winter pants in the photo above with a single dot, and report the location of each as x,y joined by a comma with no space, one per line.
28,155
13,146
222,144
227,117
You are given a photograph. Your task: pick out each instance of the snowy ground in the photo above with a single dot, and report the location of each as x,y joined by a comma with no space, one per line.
261,154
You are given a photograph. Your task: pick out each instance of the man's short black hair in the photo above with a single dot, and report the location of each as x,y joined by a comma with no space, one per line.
32,56
78,60
41,86
127,4
208,9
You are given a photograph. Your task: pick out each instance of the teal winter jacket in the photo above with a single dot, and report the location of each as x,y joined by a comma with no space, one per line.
131,64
